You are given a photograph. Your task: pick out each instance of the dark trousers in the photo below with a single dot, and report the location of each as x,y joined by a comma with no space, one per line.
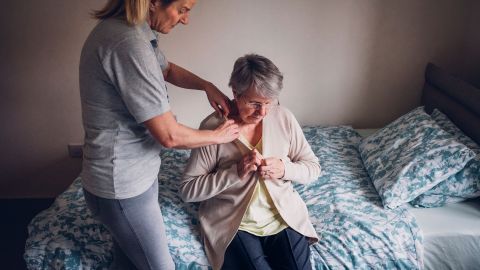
287,250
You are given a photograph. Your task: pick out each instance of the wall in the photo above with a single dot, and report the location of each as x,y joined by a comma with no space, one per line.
471,68
39,97
345,62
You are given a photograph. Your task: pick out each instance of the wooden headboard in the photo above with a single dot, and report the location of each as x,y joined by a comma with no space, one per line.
459,100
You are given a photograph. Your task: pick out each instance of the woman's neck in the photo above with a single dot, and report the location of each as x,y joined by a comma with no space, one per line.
251,132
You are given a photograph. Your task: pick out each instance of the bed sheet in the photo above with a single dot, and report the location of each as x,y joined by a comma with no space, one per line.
451,235
355,231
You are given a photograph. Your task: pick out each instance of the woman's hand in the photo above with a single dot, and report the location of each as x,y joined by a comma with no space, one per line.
181,77
218,100
226,132
249,163
272,168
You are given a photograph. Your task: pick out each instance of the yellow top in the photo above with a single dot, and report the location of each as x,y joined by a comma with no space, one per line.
262,217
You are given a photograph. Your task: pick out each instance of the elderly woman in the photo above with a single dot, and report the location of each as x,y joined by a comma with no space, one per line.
251,217
126,112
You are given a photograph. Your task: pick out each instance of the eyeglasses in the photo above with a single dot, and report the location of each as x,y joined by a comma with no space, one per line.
258,105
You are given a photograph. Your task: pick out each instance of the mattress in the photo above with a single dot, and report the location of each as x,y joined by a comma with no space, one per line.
451,235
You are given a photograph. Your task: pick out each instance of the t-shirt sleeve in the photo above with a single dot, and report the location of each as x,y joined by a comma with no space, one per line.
162,59
134,68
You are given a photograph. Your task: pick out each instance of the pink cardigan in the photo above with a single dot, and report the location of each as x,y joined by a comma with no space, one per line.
211,177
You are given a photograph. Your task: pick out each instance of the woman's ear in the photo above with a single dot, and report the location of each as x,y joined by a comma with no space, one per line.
233,109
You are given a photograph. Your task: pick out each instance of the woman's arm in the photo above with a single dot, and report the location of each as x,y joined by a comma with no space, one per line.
171,134
202,179
181,77
303,166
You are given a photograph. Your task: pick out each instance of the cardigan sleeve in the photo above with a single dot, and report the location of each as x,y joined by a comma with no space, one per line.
202,179
302,165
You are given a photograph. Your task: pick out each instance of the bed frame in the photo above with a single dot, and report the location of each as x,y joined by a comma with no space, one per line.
459,100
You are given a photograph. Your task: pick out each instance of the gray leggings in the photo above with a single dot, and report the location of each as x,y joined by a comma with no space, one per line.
136,225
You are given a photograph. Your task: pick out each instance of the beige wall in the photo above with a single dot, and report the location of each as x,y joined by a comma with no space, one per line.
344,62
39,97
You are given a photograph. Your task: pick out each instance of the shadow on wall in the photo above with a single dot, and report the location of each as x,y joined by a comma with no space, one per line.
46,182
402,38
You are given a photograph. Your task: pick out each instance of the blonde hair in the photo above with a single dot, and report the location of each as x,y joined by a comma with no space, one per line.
134,11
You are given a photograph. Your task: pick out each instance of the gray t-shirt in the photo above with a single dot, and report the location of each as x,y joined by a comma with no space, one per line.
121,86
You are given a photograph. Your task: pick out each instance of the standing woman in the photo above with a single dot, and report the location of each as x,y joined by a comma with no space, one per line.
125,113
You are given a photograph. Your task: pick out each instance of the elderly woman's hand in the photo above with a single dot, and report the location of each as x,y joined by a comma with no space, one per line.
249,164
272,168
218,100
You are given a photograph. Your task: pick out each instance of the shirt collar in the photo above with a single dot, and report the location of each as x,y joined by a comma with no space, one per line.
149,34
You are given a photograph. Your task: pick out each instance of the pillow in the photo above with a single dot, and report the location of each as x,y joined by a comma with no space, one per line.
410,156
446,124
461,186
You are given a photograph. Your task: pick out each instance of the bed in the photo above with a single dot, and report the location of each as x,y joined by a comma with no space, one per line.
356,231
452,233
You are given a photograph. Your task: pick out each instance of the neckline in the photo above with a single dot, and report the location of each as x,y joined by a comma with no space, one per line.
247,144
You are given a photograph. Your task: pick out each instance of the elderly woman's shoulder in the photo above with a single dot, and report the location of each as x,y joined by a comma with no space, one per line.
284,112
211,122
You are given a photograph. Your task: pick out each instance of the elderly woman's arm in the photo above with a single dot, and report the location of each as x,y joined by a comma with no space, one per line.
202,179
302,166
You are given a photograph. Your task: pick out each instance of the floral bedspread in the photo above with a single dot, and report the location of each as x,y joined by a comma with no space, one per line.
355,231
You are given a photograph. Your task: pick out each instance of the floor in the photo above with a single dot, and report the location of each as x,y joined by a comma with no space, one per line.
16,214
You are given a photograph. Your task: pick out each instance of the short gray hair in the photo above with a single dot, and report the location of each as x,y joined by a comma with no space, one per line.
259,71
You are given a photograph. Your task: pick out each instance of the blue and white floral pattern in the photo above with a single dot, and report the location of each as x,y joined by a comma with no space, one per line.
410,156
461,186
355,231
